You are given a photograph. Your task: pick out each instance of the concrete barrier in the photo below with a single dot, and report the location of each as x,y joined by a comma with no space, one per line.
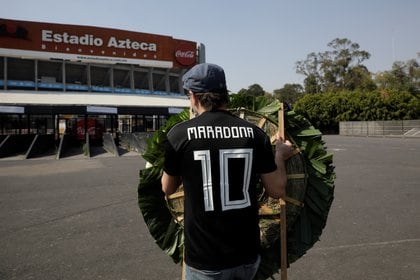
109,144
62,147
41,144
136,141
86,146
2,137
16,144
408,128
141,138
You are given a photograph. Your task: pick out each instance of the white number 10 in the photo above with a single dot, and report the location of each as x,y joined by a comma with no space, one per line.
224,156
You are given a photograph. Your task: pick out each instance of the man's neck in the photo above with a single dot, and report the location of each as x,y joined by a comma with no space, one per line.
201,110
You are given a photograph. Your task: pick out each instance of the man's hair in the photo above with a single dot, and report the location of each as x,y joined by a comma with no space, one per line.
212,101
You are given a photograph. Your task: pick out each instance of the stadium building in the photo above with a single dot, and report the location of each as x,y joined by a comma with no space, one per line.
85,83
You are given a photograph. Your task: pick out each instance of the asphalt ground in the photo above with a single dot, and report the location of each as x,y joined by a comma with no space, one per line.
78,218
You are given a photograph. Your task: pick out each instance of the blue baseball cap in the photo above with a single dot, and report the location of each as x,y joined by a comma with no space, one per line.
205,77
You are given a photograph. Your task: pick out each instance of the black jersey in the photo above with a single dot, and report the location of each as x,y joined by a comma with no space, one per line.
219,156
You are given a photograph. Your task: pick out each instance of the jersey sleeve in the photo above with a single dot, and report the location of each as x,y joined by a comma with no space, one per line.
171,163
264,155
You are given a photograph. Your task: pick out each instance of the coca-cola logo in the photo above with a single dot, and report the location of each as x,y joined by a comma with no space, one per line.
185,54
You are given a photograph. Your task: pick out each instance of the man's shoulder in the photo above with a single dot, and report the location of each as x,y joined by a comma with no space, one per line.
178,128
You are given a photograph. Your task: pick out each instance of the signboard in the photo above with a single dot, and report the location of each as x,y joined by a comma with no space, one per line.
93,44
173,110
12,109
103,110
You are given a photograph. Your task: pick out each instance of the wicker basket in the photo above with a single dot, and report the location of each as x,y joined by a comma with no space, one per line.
175,203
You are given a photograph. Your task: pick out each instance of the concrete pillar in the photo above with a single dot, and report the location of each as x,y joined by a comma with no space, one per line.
150,79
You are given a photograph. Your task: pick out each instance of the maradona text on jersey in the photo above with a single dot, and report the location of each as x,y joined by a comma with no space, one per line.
219,132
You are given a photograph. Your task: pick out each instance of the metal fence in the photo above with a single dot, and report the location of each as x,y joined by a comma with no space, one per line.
406,128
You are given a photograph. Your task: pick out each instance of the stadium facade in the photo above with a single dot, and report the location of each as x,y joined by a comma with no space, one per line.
61,78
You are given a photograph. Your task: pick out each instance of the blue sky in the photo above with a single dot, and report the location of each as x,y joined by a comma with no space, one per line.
254,41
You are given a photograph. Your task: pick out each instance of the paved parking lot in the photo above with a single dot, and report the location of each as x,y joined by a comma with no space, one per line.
78,218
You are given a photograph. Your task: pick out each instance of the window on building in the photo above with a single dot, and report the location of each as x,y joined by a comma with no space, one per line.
122,78
41,124
141,78
100,78
50,72
159,80
76,76
20,69
174,84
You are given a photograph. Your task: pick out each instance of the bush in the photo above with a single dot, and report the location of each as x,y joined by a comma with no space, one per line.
326,110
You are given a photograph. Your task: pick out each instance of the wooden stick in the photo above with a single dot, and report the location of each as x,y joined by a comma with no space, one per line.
283,239
281,122
283,225
183,266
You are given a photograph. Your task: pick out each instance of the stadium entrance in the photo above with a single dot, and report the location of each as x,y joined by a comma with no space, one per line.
19,131
64,86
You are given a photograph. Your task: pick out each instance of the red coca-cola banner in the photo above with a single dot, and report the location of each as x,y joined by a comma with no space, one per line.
185,54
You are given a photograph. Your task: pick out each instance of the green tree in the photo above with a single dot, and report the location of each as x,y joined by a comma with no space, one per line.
311,69
289,93
249,96
241,100
337,69
358,77
404,76
253,90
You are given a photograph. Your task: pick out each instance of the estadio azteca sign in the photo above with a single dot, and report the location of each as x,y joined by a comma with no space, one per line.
90,40
88,43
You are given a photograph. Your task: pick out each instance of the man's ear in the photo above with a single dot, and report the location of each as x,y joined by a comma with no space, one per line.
195,104
194,99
